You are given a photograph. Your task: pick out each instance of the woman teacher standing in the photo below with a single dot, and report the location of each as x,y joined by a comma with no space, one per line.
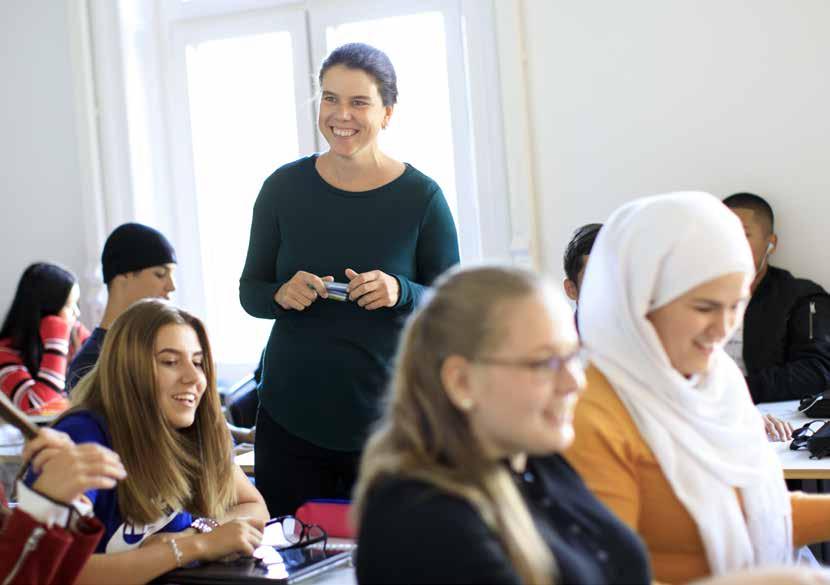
353,215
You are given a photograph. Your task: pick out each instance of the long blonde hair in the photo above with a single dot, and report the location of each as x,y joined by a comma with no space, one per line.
166,468
424,436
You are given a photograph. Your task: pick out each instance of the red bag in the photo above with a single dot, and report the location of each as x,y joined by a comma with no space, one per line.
331,515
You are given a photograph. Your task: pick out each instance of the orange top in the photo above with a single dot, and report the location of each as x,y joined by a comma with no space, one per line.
620,468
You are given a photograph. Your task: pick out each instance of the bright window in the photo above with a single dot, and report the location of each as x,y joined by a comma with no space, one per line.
230,96
243,125
421,130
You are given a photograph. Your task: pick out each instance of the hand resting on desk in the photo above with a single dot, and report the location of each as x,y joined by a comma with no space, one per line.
239,536
777,429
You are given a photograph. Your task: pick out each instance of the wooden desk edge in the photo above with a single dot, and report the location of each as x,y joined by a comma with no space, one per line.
788,473
807,474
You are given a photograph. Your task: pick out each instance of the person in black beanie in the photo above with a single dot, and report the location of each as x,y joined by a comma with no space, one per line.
138,263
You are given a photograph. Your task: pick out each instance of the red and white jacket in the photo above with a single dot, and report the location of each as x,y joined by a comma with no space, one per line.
34,549
44,392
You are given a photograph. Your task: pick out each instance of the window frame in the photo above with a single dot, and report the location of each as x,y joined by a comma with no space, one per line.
495,193
325,13
283,17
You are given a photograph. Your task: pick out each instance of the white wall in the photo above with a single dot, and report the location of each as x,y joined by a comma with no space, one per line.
646,96
625,99
40,177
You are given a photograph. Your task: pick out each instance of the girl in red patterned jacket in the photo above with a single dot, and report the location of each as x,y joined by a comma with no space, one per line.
48,538
37,335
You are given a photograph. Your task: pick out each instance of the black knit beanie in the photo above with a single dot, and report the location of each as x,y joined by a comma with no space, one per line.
133,246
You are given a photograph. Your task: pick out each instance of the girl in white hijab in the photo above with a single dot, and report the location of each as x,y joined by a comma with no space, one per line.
666,433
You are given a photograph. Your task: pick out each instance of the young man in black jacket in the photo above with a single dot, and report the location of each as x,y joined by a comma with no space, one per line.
783,347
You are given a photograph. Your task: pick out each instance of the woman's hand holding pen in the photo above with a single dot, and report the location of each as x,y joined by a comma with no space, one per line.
302,290
373,290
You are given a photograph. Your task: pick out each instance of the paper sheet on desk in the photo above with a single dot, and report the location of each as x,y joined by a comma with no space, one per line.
796,464
11,449
274,536
273,539
786,410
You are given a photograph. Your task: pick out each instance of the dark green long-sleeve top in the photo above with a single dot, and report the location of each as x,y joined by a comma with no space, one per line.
326,368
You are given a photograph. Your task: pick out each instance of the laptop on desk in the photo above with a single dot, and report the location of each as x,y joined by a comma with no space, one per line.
296,565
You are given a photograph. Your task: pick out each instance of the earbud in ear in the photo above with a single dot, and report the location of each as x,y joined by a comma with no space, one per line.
770,246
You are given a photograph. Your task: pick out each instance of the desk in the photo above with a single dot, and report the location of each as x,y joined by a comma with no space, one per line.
246,462
797,464
342,573
11,440
11,448
339,576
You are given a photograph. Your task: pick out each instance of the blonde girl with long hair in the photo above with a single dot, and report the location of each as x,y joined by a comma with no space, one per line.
152,398
462,482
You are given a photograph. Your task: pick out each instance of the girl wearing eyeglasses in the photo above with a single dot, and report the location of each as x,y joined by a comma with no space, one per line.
464,482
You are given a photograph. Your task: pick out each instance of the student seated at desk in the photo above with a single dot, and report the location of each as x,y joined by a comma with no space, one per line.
576,258
666,432
37,338
577,253
44,539
463,481
137,263
152,398
782,344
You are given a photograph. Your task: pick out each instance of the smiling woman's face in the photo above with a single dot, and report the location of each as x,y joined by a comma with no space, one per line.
693,325
180,374
352,113
521,404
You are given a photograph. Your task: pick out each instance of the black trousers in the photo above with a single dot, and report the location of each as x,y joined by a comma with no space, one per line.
290,471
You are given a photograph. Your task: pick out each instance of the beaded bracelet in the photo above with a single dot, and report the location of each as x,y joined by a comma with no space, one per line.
204,525
178,553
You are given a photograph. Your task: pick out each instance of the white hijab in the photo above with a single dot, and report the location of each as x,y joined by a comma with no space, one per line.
706,434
